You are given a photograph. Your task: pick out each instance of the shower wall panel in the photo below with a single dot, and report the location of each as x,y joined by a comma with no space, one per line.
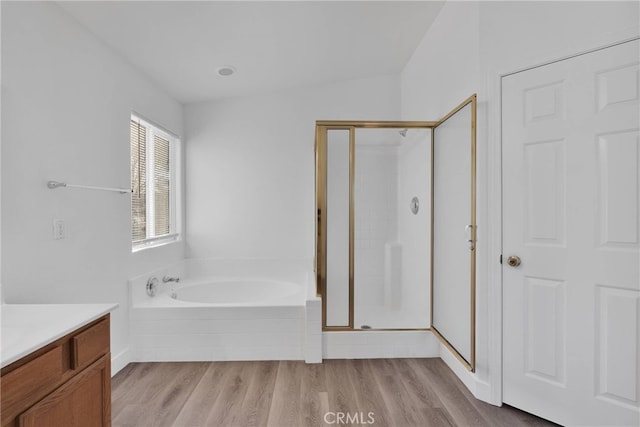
376,178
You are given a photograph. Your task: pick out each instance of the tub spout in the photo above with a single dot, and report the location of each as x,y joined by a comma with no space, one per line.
167,279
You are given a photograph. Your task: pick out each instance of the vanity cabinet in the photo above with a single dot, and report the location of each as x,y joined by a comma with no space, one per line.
65,383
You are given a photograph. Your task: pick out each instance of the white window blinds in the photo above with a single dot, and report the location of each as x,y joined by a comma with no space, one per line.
152,181
138,182
162,185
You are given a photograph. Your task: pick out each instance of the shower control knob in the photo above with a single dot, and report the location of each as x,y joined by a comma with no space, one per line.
152,286
514,261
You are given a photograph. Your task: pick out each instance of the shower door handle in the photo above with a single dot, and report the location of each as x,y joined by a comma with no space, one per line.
468,230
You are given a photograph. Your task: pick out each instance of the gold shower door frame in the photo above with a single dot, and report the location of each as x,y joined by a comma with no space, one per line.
322,127
471,363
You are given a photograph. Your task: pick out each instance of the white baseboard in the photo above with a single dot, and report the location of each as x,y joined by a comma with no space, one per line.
379,344
217,353
480,389
120,360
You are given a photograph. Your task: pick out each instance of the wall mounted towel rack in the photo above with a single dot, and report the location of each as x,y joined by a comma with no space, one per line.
56,184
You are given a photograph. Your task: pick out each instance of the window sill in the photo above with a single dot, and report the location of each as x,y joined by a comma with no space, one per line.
155,242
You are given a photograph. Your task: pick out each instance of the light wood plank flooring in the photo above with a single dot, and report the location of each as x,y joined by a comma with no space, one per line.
399,392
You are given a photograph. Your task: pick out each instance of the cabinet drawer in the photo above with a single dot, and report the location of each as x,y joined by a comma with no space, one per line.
90,344
30,382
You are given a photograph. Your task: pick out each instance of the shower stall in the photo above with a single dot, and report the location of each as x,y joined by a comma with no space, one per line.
385,230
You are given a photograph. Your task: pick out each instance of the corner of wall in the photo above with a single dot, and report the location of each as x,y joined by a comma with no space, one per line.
480,389
120,361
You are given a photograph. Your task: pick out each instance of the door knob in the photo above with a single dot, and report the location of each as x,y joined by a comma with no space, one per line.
514,261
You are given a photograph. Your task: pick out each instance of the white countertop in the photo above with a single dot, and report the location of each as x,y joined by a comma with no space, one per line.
28,327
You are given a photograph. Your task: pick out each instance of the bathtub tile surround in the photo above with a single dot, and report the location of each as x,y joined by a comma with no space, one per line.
217,333
167,329
313,330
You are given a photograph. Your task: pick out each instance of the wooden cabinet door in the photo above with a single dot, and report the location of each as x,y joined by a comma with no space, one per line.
83,401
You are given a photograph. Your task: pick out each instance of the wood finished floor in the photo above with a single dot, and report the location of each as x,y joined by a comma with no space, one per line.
399,392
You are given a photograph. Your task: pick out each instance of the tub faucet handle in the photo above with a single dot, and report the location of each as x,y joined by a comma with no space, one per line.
167,279
152,286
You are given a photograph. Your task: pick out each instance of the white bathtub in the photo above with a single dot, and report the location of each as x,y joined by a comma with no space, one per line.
227,310
239,292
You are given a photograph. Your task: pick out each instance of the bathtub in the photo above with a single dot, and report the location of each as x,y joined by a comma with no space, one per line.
227,310
240,292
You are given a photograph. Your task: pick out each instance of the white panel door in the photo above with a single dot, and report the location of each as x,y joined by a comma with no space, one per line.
571,194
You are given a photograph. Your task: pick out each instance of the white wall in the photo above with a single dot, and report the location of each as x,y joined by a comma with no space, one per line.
250,176
66,104
1,89
444,70
517,34
462,53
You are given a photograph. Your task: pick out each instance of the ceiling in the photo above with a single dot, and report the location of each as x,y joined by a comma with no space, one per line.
272,44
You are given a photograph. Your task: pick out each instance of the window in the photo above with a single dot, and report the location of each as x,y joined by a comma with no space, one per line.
153,181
